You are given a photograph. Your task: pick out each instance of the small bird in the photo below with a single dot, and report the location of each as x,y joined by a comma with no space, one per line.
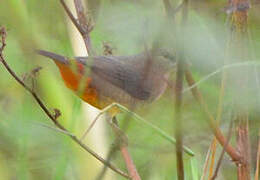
126,80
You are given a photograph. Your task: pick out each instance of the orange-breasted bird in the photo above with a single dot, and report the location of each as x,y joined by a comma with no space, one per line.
127,80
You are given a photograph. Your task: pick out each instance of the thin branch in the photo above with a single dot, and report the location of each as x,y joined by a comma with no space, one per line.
243,145
178,99
218,118
85,24
112,152
72,18
233,65
178,90
223,151
84,27
178,120
129,163
235,156
258,158
48,113
125,154
55,129
81,14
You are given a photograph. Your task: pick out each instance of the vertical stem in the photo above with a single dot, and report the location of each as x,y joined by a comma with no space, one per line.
85,24
178,120
130,164
223,151
125,154
219,114
239,35
217,132
243,146
258,158
178,99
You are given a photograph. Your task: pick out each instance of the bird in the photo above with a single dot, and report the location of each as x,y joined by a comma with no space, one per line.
130,81
127,80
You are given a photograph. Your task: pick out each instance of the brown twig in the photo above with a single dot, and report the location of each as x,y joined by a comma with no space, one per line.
114,148
48,113
112,151
125,154
239,42
257,169
178,92
129,163
3,37
72,18
85,24
178,100
223,151
218,118
178,120
81,23
243,145
235,156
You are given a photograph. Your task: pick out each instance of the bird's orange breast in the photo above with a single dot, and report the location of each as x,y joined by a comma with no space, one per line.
73,79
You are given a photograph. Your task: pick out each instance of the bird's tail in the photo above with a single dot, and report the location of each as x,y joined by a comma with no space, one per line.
53,56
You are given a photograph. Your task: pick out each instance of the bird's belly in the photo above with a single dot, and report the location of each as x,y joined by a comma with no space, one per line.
92,97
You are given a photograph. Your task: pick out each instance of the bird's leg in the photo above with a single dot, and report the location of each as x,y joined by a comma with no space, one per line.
121,138
91,125
103,111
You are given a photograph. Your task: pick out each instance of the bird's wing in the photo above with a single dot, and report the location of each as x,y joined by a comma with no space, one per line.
119,74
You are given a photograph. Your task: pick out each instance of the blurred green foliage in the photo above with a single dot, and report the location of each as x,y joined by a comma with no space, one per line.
29,150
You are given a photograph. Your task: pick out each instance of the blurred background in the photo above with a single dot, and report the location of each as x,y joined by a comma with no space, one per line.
29,150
